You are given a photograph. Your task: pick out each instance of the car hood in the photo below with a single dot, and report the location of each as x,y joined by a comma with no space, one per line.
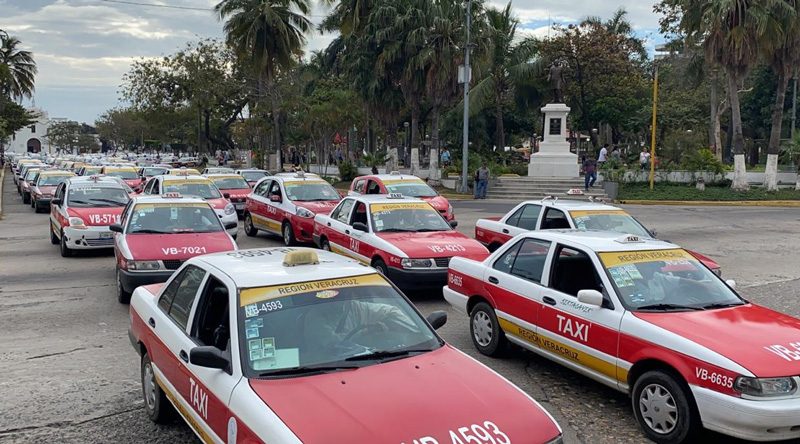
218,204
97,216
707,261
322,207
437,244
46,189
174,246
237,192
404,400
133,182
438,202
750,335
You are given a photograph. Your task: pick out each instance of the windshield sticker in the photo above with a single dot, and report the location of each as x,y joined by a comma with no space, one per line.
251,323
251,332
621,277
327,294
281,358
576,214
377,208
634,257
256,295
632,271
254,344
378,223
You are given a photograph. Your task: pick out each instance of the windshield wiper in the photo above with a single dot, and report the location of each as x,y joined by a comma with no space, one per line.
308,369
111,201
429,230
396,230
149,232
722,305
383,354
669,307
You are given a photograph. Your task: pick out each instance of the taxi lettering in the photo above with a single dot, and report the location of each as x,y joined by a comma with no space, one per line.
272,210
791,353
573,328
354,244
183,250
488,432
105,219
199,398
452,248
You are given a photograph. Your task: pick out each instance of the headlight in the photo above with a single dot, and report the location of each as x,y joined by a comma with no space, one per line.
416,263
144,265
302,212
449,209
230,209
76,222
765,387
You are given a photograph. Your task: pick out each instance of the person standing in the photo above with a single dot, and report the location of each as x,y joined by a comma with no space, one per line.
589,172
616,155
603,157
644,159
481,181
445,157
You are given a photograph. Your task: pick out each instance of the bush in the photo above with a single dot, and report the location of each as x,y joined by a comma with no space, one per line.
702,160
347,171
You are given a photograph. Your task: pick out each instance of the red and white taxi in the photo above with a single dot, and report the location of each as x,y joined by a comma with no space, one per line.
645,317
157,234
234,187
27,176
45,185
198,186
286,205
550,214
291,345
129,174
407,185
404,238
81,211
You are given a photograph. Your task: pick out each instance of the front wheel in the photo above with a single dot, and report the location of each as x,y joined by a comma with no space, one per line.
288,234
663,409
380,265
122,296
249,229
158,408
65,250
53,237
26,198
487,336
324,244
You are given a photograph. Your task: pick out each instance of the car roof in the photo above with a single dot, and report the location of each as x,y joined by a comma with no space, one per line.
384,198
252,170
264,267
382,177
309,177
178,177
601,241
154,198
55,173
102,181
571,205
224,176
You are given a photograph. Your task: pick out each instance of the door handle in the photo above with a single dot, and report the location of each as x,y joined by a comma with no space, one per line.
494,280
184,356
346,231
152,322
548,300
329,224
505,230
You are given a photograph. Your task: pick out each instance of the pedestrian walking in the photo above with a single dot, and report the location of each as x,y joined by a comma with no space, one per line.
481,181
589,172
616,155
603,157
445,157
644,159
374,169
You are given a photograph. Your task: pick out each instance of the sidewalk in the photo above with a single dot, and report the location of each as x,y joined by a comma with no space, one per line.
715,203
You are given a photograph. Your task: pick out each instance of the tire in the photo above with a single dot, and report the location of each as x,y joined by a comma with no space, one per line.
65,251
53,238
156,404
288,234
656,391
37,208
249,229
485,331
324,244
26,198
33,202
380,265
123,297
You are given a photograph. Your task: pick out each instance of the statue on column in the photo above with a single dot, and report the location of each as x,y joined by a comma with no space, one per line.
557,82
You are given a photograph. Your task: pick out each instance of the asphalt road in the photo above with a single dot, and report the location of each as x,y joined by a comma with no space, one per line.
70,375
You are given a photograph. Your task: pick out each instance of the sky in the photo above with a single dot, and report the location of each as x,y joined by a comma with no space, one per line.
83,47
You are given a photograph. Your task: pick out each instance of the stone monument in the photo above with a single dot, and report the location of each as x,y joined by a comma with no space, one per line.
554,160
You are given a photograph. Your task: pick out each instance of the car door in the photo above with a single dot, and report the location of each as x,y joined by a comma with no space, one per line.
585,337
359,241
525,219
338,224
257,204
274,213
58,213
514,282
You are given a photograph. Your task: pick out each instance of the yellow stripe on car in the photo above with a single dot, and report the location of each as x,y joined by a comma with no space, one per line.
254,295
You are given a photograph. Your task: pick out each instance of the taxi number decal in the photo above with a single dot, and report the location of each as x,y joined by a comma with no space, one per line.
105,219
183,250
199,398
455,280
784,352
715,378
254,309
452,248
488,432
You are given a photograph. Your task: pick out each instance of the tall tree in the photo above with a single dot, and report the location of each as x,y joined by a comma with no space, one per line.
271,33
17,68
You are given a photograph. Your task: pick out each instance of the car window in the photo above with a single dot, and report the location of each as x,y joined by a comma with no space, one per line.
360,214
211,324
165,301
359,187
344,211
530,260
262,187
506,260
185,294
528,216
573,271
373,187
275,189
554,220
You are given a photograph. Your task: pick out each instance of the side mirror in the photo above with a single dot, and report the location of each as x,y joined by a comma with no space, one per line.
360,226
226,195
453,223
208,357
654,233
437,319
275,198
731,283
231,225
117,228
56,202
591,297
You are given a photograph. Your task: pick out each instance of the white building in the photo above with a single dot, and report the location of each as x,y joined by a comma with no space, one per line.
32,138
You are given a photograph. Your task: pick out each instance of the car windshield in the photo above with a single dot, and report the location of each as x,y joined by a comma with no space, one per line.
91,170
82,196
203,189
30,175
310,191
615,220
218,170
150,172
173,218
51,180
340,323
230,183
253,176
410,189
123,174
402,217
666,280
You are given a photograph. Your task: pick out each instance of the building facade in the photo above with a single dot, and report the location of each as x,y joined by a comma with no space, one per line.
32,138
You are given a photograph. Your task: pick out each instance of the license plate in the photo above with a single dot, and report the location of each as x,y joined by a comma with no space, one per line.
108,235
239,206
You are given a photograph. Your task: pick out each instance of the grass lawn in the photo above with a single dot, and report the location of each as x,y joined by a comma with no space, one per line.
689,192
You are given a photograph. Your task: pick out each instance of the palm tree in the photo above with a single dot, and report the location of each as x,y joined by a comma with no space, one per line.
17,68
270,33
508,62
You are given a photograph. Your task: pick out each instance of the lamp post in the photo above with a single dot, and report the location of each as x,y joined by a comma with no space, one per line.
467,77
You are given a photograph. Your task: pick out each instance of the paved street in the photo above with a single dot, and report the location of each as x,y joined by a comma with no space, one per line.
70,375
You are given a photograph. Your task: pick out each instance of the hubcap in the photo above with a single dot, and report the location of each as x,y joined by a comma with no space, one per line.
482,328
149,383
248,223
658,409
286,234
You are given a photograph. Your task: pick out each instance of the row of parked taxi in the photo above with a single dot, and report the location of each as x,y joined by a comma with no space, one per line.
302,345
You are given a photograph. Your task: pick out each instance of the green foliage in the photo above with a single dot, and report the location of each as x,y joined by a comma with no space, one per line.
702,160
17,68
71,135
347,171
375,159
13,117
641,191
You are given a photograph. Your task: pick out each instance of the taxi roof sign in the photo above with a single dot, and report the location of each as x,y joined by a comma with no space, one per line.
629,239
395,196
394,173
300,257
172,195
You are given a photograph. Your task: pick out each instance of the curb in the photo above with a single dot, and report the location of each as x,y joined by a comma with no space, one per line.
716,203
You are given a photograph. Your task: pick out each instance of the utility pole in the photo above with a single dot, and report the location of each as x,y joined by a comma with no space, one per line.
794,107
653,128
467,77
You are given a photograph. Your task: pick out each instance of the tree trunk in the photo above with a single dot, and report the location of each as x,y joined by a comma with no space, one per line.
499,128
739,167
713,128
774,147
276,120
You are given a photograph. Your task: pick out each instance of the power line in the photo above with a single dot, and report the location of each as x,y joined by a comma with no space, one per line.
156,5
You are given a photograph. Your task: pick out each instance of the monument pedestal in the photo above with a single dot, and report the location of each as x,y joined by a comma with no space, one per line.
554,158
